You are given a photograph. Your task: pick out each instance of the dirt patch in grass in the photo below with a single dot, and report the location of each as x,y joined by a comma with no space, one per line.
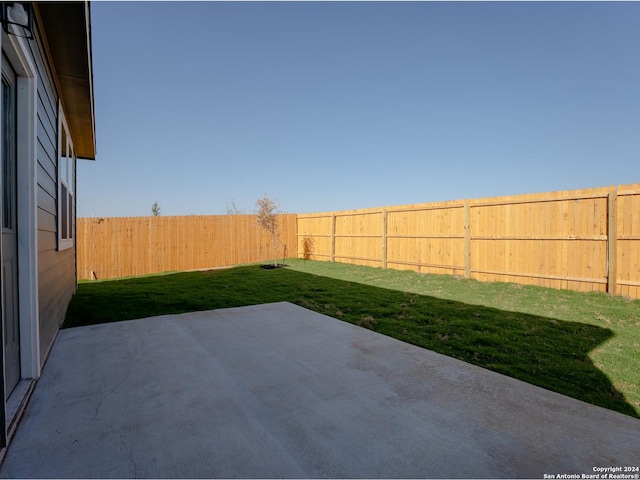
272,266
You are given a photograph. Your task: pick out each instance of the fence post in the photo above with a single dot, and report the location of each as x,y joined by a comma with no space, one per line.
467,239
333,237
384,238
295,235
612,240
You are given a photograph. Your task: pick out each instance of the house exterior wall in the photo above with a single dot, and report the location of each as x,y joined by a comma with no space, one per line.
56,268
48,79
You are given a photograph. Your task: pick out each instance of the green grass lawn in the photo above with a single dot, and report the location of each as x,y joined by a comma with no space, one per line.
585,345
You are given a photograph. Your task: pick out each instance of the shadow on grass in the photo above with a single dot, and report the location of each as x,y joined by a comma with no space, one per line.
550,353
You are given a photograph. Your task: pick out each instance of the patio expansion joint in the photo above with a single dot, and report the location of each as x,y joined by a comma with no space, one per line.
117,386
99,416
267,428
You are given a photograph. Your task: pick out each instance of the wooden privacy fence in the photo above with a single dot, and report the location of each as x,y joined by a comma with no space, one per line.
580,240
125,246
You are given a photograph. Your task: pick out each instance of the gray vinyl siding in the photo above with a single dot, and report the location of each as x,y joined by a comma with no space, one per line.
56,269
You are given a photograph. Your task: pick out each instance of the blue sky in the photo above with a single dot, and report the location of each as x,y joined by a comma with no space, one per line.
340,105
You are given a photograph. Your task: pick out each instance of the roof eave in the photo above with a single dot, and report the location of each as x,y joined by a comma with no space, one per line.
66,27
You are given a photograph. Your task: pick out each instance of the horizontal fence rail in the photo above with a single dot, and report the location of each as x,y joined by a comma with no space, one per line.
585,240
128,246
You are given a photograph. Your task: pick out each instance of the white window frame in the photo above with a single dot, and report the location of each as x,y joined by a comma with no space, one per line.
66,183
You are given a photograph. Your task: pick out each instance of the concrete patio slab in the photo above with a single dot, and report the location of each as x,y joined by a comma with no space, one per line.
279,391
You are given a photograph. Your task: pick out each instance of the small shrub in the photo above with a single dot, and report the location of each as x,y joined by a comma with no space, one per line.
307,247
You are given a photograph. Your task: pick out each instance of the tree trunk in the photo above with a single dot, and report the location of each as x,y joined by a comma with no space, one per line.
275,251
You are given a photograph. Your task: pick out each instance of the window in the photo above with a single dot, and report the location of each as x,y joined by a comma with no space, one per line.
66,184
8,149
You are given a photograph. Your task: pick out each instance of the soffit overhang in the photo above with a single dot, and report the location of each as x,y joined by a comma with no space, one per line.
66,28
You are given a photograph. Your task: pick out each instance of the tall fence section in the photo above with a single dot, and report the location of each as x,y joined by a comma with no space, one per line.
585,240
126,246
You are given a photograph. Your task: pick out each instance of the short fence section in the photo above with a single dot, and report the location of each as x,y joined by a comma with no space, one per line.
126,246
581,240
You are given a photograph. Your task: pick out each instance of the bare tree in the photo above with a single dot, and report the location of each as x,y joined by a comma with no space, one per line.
155,209
267,218
233,210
